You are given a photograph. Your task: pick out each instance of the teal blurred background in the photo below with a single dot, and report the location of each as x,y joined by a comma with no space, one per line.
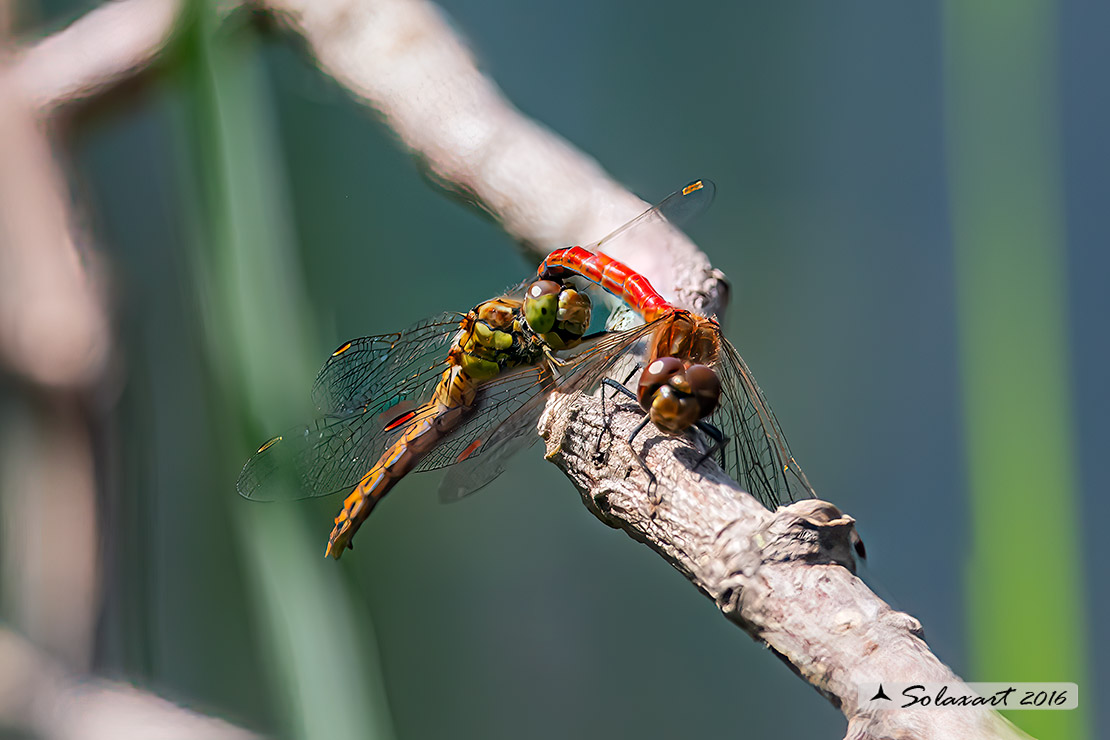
236,187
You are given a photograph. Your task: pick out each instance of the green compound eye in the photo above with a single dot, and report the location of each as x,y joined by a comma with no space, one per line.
541,305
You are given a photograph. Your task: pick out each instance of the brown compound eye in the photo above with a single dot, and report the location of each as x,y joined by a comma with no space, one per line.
573,319
676,396
705,386
655,376
574,307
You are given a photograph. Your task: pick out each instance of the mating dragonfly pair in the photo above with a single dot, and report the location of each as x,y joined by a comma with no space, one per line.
466,394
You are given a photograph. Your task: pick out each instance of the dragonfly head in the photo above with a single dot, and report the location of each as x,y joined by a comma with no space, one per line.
557,312
676,394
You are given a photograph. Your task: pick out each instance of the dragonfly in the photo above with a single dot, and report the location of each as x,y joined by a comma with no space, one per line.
692,374
462,392
421,399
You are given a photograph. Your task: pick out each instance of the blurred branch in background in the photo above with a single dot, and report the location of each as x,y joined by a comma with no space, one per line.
42,696
55,331
51,570
104,47
54,338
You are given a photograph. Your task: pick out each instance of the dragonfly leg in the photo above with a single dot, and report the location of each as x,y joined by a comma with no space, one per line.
617,386
635,369
556,361
621,387
653,486
639,458
719,442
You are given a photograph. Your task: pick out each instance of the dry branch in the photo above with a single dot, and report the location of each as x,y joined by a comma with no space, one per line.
784,577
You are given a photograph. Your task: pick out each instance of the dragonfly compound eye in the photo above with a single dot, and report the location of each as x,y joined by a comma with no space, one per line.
541,305
655,376
704,385
676,396
572,319
574,308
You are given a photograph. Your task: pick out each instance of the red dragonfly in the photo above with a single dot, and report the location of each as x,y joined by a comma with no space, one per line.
692,373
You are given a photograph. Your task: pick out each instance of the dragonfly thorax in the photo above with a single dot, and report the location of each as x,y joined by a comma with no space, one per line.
490,341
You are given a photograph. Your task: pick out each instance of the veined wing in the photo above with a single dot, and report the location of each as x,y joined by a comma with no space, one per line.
677,208
375,390
370,372
486,455
364,390
756,454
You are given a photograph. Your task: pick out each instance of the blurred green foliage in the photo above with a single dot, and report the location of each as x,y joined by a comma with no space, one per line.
1007,208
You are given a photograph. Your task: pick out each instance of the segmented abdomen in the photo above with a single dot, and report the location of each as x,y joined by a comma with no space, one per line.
425,426
614,276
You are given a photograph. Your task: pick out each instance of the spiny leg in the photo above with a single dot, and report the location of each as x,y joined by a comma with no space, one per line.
719,441
605,415
622,387
618,387
652,487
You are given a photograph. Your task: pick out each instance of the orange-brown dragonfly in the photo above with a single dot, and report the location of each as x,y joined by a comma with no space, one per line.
424,398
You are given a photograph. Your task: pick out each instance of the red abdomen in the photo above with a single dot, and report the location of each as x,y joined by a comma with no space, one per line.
614,276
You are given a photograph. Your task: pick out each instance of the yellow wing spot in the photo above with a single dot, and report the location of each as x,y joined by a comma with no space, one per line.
269,444
341,350
692,187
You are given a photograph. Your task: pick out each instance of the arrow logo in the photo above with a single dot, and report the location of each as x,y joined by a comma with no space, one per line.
880,694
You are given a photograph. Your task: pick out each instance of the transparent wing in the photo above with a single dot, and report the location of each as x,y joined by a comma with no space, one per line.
756,453
486,457
364,386
332,453
371,371
328,455
678,208
497,400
